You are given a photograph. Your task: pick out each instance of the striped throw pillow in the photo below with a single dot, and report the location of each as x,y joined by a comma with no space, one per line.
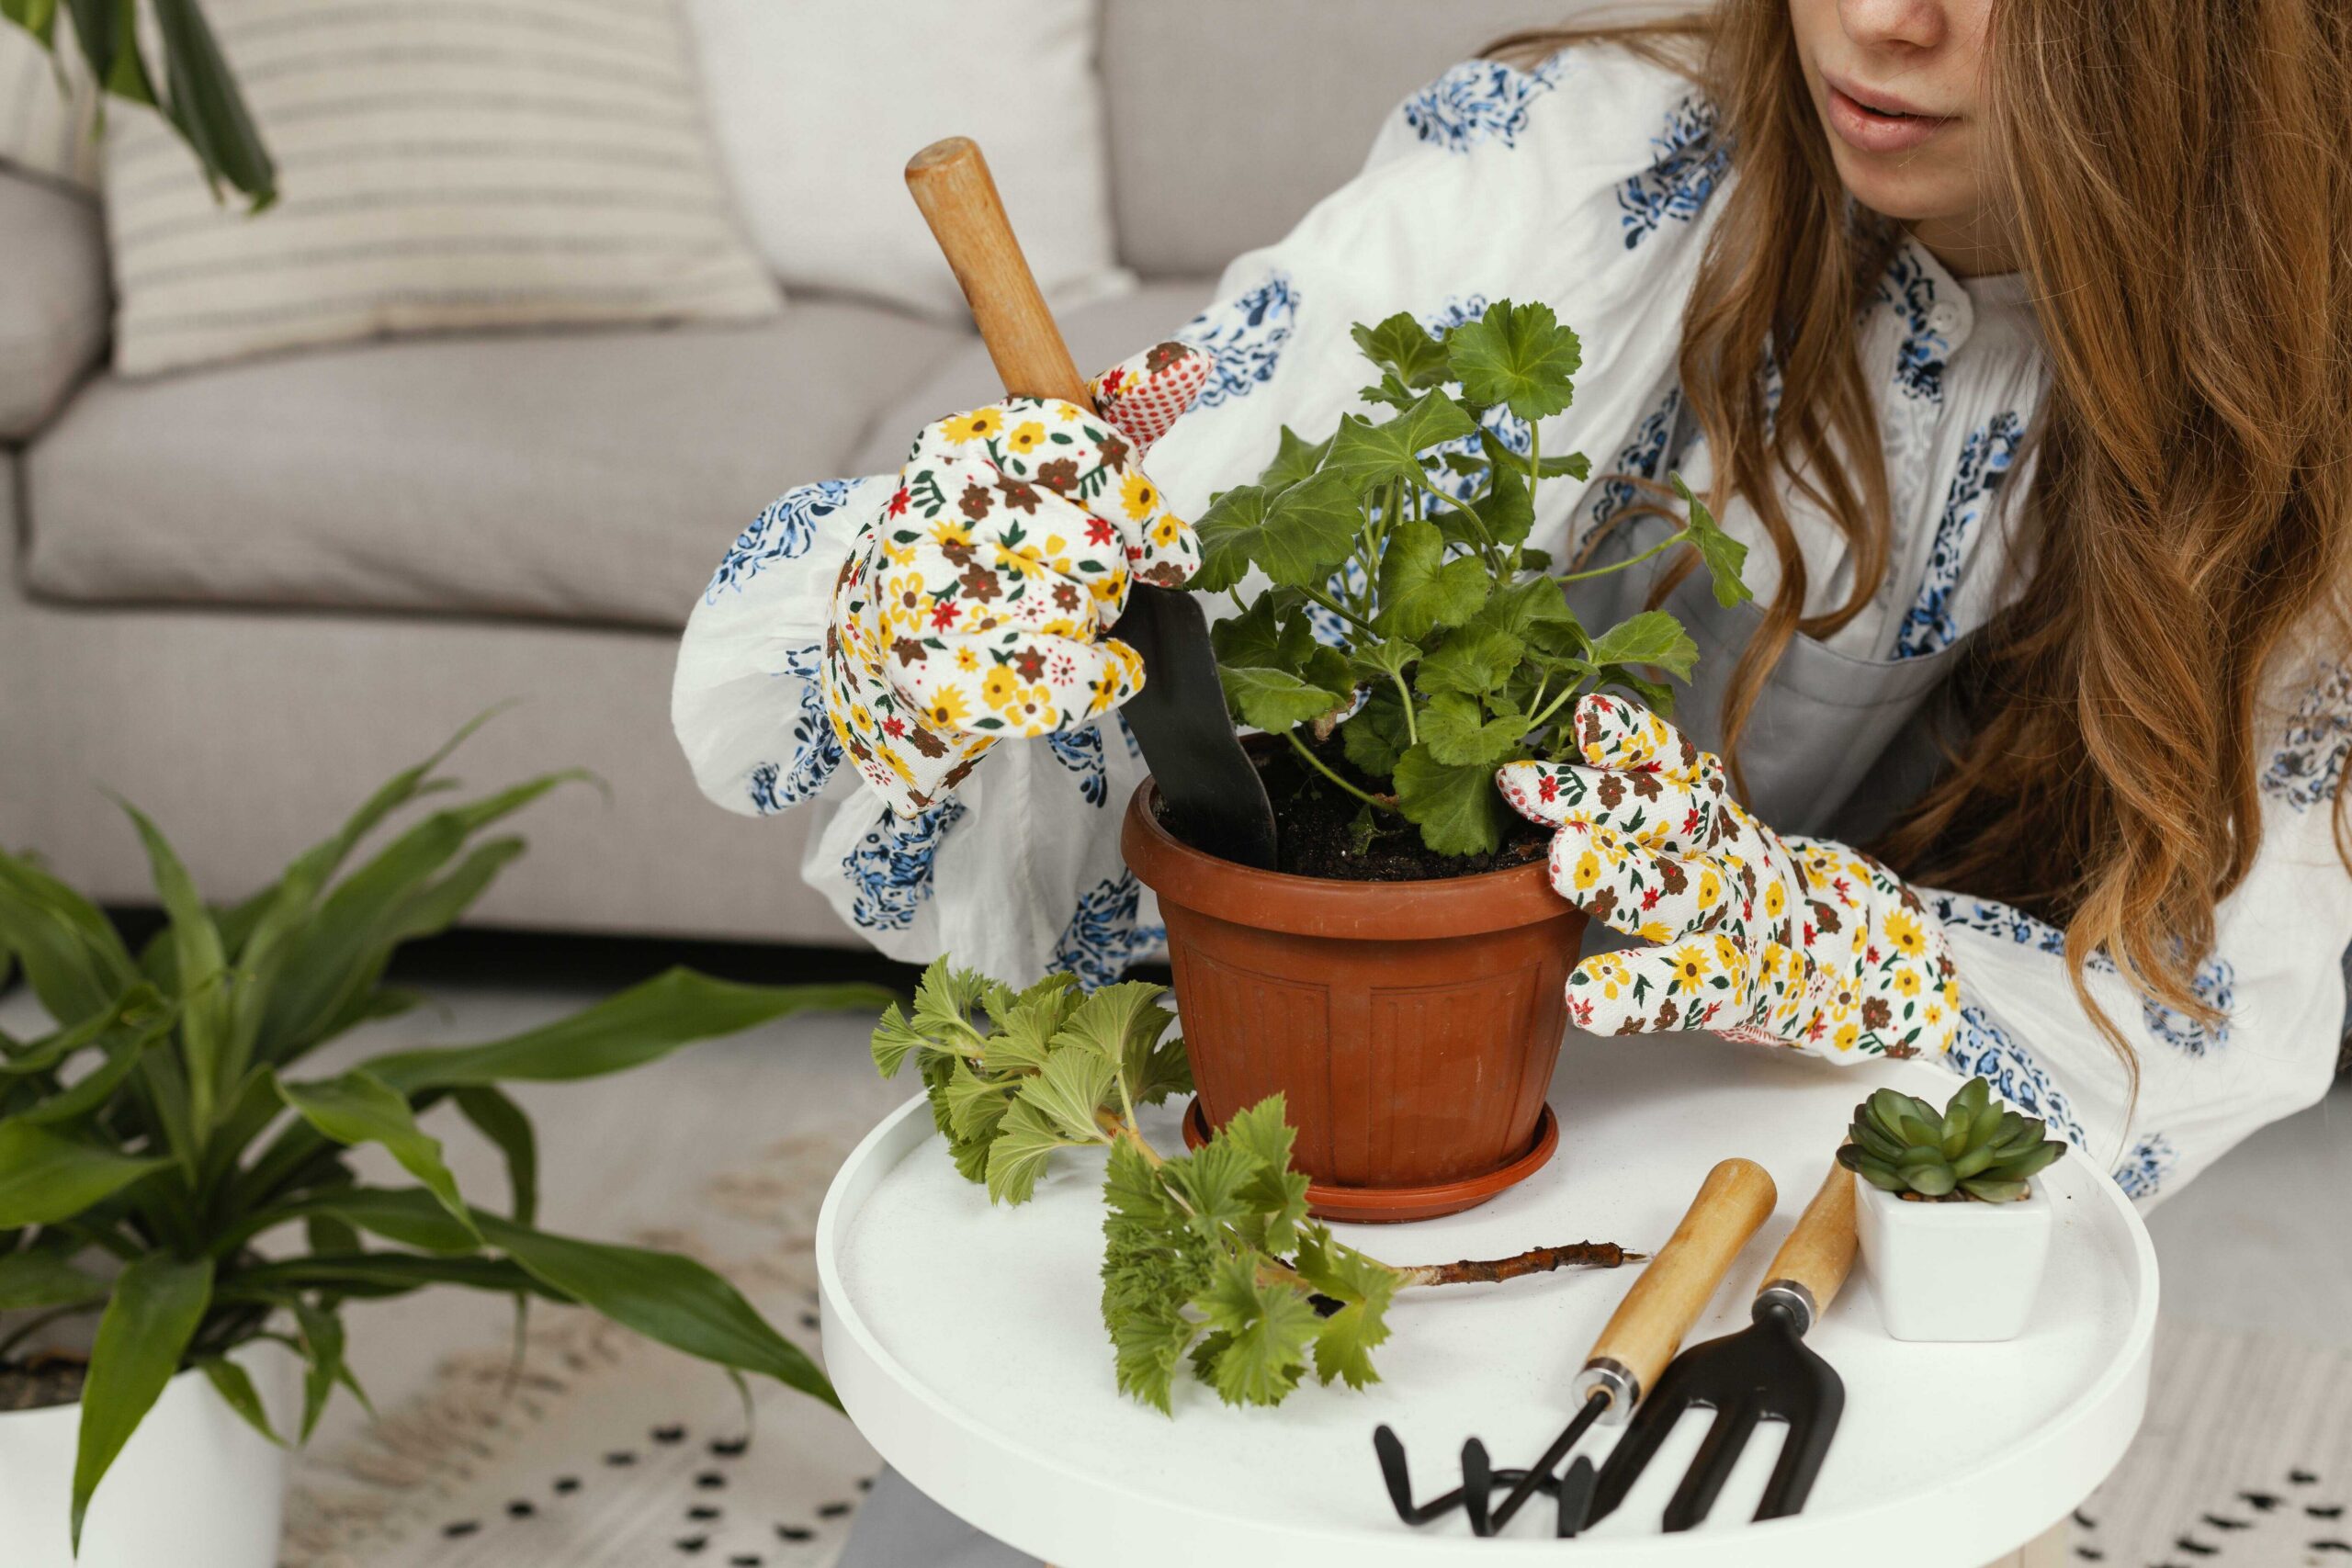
442,166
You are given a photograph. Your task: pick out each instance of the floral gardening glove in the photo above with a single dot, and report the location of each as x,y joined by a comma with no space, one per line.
975,606
1782,941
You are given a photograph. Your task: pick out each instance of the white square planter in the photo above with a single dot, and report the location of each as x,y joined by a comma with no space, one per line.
1954,1271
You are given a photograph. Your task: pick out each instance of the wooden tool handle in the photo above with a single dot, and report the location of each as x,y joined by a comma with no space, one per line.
1735,1200
1820,1252
950,182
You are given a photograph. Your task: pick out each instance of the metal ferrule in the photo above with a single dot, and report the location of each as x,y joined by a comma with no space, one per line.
1791,1296
1617,1381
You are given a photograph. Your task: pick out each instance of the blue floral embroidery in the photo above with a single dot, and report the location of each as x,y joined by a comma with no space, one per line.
890,867
1984,460
2309,763
1645,455
816,752
1344,585
785,529
1081,751
2216,986
1690,163
1982,1048
2144,1168
1480,100
1243,338
1103,938
1134,748
2015,925
1920,361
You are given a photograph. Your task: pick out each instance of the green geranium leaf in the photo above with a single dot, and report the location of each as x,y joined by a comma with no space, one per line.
1420,590
1025,1140
1457,733
1267,635
1274,700
1455,805
1295,459
1652,637
1725,556
1363,454
1382,661
1518,355
1295,535
1264,1334
1374,736
1475,660
1508,510
1402,346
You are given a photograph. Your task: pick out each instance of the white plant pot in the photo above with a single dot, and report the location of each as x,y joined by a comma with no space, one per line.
1954,1271
195,1487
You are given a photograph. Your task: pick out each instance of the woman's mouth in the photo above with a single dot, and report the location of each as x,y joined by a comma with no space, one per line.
1872,121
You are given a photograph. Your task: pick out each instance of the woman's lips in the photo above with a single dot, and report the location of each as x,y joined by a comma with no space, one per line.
1867,128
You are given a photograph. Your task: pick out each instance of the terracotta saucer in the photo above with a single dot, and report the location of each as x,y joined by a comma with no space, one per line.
1392,1205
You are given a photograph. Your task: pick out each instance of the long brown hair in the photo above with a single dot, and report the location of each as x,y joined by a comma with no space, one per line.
2184,217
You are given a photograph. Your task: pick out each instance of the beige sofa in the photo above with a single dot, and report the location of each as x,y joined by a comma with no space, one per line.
241,596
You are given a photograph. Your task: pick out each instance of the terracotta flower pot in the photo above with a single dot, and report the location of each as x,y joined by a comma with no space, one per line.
1411,1026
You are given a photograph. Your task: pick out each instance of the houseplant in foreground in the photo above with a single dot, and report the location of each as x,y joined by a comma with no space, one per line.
1954,1229
1209,1258
1399,979
170,1168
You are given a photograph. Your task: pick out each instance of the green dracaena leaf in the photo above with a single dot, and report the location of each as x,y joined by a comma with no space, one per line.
151,1315
47,1177
357,1106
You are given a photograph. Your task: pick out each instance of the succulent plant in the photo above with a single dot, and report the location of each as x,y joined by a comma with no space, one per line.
1973,1147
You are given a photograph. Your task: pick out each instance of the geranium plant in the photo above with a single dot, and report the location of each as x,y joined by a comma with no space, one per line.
1447,646
1209,1258
168,1165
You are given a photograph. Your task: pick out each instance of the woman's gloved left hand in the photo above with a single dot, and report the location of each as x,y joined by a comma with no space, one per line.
1790,941
977,606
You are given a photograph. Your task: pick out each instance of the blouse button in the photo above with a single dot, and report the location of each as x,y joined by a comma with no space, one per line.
1944,318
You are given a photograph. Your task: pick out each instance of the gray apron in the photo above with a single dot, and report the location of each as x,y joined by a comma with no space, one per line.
1836,745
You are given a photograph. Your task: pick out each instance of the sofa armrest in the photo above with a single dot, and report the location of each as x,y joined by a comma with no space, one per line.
53,300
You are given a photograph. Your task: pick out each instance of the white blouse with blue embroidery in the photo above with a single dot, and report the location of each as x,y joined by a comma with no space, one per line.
1585,183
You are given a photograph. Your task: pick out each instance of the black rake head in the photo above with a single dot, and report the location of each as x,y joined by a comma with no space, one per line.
1765,1372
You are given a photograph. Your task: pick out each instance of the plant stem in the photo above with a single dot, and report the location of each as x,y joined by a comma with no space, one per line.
1680,537
1405,694
1535,1260
1385,804
1319,597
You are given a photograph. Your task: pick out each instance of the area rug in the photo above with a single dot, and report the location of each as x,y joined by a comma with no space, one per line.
587,1447
2244,1459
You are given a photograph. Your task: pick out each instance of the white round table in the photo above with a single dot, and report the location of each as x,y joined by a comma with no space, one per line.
966,1343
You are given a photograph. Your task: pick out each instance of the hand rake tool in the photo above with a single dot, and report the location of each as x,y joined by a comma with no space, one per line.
1214,797
1764,1372
1639,1340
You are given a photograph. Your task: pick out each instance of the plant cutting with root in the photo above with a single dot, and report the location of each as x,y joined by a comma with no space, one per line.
1446,646
1209,1258
166,1165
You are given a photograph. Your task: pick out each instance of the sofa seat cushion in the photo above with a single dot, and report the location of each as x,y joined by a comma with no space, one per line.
1099,336
592,477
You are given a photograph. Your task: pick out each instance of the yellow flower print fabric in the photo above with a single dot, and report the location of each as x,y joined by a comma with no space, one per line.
976,605
1787,941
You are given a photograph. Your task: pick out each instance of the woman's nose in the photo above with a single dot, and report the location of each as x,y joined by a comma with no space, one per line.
1877,24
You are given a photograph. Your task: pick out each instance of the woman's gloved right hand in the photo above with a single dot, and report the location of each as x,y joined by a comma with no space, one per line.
976,606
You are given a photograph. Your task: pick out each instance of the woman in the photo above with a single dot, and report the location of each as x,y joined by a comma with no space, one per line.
2016,341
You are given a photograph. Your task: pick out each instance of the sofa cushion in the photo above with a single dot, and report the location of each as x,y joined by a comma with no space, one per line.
593,476
1099,336
53,301
1231,118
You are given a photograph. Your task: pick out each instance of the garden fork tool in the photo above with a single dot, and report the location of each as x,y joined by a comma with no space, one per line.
1764,1372
1638,1341
1212,796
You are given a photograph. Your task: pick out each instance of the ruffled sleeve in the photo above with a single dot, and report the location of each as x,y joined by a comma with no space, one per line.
2276,975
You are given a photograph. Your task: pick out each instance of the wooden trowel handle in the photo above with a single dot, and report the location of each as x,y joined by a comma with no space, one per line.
1733,1202
951,183
1819,1253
